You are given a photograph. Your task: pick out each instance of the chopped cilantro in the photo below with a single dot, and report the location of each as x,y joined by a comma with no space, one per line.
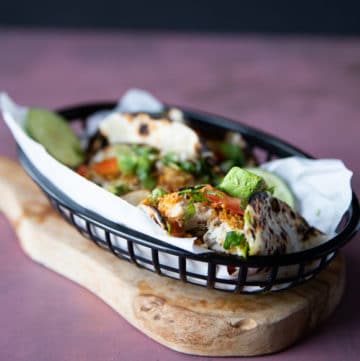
148,182
145,151
155,195
226,165
199,186
194,194
189,211
233,152
121,189
214,193
158,192
144,165
198,197
118,189
171,160
236,239
168,227
127,159
200,168
138,160
188,167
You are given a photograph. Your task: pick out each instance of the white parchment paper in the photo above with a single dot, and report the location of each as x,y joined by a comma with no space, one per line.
322,188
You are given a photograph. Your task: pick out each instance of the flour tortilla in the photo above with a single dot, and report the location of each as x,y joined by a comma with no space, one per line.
272,227
162,134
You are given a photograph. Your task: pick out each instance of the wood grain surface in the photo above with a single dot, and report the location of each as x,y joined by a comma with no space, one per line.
183,317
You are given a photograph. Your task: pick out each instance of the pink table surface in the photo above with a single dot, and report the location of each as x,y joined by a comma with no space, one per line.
304,90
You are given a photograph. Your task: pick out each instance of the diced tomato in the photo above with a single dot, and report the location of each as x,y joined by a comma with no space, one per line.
218,197
107,167
233,204
83,170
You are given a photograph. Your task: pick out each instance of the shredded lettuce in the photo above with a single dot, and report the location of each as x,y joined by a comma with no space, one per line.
138,160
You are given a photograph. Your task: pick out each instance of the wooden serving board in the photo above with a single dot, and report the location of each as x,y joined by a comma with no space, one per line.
181,316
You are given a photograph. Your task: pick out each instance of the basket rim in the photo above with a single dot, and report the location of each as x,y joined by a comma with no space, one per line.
85,109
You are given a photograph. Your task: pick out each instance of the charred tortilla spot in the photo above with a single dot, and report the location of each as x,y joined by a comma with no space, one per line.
254,223
283,235
281,249
263,222
258,197
96,143
266,242
275,206
301,229
144,129
310,232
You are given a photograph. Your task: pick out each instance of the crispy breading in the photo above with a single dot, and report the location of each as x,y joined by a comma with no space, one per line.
170,202
234,220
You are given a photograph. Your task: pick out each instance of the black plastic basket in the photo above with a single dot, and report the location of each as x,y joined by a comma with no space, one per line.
254,275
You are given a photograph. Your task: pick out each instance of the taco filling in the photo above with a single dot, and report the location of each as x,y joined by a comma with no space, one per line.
132,154
255,224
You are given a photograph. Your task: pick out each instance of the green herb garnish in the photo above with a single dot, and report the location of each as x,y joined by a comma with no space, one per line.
158,192
189,211
118,189
189,167
121,189
236,239
127,159
214,193
194,193
155,195
171,160
233,152
148,182
226,165
199,168
138,160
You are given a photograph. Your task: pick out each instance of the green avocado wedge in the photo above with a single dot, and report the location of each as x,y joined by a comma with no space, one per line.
281,189
53,132
242,183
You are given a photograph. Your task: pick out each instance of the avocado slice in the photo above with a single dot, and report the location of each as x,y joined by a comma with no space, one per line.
241,183
53,132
